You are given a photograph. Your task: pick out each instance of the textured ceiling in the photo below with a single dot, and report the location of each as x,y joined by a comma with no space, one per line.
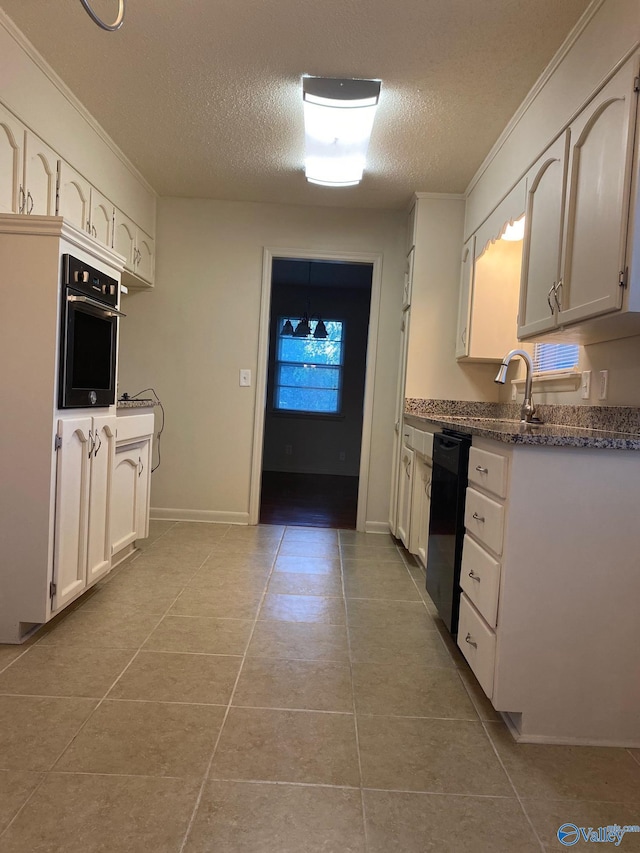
204,96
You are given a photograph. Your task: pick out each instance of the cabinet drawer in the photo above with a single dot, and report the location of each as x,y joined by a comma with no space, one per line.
489,471
480,579
477,642
485,519
422,443
407,435
134,427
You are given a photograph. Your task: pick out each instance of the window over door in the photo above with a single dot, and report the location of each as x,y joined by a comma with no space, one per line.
308,375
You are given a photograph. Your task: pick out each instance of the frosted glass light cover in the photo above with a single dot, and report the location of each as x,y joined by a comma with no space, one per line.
337,136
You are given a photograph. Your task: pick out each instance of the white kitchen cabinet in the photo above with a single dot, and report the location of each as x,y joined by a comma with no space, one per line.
541,258
464,303
405,492
396,471
40,177
74,194
421,506
101,218
575,255
490,285
11,169
131,482
83,479
538,574
138,249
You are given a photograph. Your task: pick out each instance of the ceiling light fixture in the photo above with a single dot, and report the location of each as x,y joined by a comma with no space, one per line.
338,119
109,27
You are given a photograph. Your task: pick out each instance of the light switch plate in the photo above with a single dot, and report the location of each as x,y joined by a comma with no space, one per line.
604,385
245,378
586,384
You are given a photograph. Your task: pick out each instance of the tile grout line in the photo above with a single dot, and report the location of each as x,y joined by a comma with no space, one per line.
515,790
207,771
50,769
363,808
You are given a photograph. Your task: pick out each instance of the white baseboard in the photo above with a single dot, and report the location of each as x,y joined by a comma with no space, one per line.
376,527
205,515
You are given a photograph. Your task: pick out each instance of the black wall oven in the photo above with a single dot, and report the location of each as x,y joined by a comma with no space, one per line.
88,336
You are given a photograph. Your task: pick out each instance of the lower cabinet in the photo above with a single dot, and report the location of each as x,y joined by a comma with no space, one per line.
549,591
405,492
82,552
420,508
129,515
130,494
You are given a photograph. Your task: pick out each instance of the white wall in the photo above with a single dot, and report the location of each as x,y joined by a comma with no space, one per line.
191,335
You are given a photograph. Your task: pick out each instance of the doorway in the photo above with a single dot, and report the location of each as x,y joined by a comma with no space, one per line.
313,434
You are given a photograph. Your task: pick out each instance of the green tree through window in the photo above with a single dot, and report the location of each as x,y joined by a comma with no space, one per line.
308,376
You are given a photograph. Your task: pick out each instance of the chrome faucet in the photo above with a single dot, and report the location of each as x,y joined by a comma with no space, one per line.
528,412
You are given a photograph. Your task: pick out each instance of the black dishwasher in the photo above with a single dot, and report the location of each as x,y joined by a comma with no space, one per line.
446,523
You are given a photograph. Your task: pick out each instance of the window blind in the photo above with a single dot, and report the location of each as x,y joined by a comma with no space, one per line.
548,357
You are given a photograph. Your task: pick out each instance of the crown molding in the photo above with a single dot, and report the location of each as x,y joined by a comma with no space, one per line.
538,86
26,46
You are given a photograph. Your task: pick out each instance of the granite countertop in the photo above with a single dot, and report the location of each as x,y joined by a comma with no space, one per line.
586,427
135,404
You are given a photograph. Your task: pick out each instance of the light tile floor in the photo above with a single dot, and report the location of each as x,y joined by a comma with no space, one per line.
275,690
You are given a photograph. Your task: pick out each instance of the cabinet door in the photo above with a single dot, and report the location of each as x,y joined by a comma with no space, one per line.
73,196
72,502
546,183
405,488
124,496
40,176
144,256
598,201
99,534
464,302
144,489
101,218
124,239
424,478
397,437
11,145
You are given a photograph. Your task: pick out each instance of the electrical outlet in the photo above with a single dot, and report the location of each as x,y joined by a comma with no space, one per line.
288,449
245,378
586,384
604,385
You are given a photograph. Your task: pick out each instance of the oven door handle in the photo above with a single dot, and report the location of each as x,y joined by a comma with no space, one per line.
107,311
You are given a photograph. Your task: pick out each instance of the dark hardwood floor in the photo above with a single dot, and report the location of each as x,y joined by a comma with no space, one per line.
309,500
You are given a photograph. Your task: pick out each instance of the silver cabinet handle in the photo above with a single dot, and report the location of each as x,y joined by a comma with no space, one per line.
549,303
97,436
22,200
478,517
29,203
464,336
474,576
141,467
481,469
558,294
469,639
91,443
94,233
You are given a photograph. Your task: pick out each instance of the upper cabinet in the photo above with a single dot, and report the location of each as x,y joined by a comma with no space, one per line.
138,249
11,171
74,194
40,177
578,197
101,218
490,284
